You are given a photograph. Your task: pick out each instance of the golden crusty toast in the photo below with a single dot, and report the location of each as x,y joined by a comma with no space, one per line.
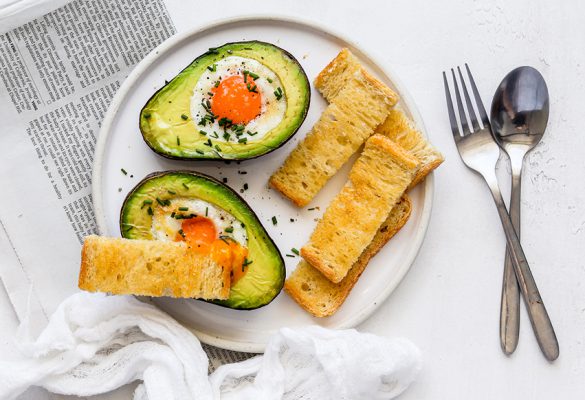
335,75
397,126
150,268
377,180
359,107
401,130
321,297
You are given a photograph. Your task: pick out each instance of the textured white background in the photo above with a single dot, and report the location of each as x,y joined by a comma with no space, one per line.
448,304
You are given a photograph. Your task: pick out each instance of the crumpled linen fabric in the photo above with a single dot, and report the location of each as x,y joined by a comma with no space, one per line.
315,363
96,343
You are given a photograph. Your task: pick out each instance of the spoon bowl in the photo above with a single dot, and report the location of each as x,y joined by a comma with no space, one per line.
520,109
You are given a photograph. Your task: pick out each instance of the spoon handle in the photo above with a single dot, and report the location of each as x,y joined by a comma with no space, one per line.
510,306
541,324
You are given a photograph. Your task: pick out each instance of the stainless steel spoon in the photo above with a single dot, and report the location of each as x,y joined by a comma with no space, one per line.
519,116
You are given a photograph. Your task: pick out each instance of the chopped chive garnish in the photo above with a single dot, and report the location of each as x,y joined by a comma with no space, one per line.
252,133
159,201
171,192
312,208
178,141
269,80
225,122
247,262
208,143
274,221
147,115
216,84
184,117
278,93
181,233
199,151
295,251
150,212
214,135
206,211
180,216
229,229
173,214
253,89
212,67
243,140
217,148
185,186
183,208
123,171
203,133
146,202
289,255
226,136
253,75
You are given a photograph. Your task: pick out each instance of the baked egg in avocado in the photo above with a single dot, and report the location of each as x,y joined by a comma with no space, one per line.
234,102
212,219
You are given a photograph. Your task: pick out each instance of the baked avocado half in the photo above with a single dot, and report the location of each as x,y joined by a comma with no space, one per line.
169,205
234,102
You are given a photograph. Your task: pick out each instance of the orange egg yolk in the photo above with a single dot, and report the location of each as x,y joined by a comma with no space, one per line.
237,98
201,235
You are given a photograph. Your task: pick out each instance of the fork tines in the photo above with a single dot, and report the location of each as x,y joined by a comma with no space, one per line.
471,117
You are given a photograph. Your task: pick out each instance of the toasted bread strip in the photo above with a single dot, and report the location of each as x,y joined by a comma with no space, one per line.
321,297
401,130
397,126
336,74
377,180
360,106
150,268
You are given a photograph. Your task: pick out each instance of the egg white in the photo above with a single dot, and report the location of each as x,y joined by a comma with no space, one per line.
272,111
165,227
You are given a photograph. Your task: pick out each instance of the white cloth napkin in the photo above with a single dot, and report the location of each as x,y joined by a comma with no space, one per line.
96,343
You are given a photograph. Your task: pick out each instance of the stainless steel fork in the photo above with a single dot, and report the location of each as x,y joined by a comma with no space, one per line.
479,151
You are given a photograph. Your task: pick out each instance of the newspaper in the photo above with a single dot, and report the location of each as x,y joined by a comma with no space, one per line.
58,74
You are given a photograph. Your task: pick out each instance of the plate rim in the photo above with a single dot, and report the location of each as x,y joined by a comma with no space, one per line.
372,56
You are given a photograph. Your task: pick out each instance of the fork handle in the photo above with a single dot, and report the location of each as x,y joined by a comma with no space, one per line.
510,304
541,325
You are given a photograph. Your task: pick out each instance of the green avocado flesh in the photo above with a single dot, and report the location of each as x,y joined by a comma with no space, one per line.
265,275
169,128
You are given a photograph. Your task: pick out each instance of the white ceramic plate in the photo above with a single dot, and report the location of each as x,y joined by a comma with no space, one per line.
120,145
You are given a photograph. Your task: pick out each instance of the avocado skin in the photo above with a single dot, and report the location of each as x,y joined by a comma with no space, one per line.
226,49
253,290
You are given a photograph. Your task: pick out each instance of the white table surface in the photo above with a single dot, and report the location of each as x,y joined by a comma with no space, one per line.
448,304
